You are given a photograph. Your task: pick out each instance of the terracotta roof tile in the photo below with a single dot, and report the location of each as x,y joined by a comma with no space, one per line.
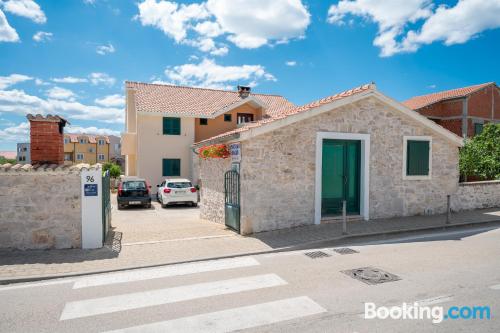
195,102
419,102
73,137
296,110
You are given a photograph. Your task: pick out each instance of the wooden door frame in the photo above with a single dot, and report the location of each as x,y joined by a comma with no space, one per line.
364,172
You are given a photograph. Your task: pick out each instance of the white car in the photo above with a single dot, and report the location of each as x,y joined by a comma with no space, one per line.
177,191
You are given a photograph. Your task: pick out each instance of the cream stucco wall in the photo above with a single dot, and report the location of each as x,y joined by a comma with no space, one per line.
153,147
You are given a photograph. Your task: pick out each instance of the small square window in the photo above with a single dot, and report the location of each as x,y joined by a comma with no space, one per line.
203,121
79,157
417,159
478,128
227,117
171,126
171,167
100,157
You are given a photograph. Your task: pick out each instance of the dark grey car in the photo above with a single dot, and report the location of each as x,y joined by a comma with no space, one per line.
133,192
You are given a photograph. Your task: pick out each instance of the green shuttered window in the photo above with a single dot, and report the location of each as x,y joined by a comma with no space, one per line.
171,126
171,167
417,158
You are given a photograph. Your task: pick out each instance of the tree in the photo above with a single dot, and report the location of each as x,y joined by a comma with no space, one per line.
480,156
114,169
4,160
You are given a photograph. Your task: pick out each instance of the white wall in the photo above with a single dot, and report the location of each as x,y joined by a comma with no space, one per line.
153,147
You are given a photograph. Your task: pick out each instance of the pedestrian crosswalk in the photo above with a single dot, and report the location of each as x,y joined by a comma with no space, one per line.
226,320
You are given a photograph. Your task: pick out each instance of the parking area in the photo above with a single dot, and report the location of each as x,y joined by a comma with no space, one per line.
137,225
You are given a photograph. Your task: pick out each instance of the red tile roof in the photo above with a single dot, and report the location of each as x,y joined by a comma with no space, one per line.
196,102
92,138
293,111
419,102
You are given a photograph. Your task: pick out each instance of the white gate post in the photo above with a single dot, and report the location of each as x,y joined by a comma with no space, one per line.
91,193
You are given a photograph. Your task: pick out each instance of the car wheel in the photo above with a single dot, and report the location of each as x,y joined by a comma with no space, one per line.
194,204
148,205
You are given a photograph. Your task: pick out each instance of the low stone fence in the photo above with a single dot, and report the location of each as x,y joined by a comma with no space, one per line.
212,188
40,207
476,195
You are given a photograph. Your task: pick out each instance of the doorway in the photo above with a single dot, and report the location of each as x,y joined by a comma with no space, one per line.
340,177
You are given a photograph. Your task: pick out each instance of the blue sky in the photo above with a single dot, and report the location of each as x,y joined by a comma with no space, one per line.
71,57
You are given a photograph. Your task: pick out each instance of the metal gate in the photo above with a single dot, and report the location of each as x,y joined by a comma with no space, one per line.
106,205
232,200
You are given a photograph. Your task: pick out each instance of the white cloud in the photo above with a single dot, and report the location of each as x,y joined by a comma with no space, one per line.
16,133
208,74
25,8
7,33
61,93
452,25
7,81
105,49
42,36
246,23
101,78
19,102
69,79
291,63
115,100
90,130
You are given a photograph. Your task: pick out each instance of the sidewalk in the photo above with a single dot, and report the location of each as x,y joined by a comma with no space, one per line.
17,266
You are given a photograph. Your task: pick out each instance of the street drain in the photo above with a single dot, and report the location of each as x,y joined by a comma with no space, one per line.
316,254
370,275
345,250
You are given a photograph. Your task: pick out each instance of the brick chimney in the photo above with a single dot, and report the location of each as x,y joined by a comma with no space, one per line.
47,140
244,91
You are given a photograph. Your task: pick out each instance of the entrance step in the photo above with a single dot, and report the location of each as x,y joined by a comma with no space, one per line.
338,218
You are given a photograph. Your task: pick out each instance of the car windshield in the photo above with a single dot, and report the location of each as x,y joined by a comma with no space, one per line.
179,185
134,185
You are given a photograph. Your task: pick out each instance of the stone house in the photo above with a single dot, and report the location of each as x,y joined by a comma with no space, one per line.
360,146
464,111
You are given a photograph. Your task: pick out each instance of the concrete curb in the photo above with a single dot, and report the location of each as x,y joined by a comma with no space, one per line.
330,242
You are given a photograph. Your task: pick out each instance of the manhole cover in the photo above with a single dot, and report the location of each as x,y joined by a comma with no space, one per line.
316,254
370,275
345,250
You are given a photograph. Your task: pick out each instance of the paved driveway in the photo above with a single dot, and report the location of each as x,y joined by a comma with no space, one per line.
156,224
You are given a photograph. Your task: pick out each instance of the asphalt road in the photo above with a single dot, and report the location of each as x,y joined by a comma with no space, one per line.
282,292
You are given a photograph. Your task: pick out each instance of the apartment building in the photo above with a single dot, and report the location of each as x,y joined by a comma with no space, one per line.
85,148
464,111
23,153
163,121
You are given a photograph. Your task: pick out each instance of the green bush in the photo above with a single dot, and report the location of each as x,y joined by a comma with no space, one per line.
114,169
4,160
480,156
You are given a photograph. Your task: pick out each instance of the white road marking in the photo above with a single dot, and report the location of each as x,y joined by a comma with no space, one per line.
495,287
35,284
96,306
235,319
177,240
166,271
435,300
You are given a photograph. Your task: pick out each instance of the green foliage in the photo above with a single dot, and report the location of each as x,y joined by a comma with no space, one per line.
114,169
481,155
4,160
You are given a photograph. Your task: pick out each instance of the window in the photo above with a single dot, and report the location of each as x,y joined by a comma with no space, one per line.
83,141
478,128
67,157
91,150
117,146
417,159
100,157
171,126
101,142
79,156
227,117
66,141
171,167
203,121
244,118
179,185
134,185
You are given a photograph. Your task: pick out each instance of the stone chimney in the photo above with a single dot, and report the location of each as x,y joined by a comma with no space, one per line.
47,140
244,91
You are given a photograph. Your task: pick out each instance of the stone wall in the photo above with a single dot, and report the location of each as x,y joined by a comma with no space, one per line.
40,208
475,195
278,168
211,181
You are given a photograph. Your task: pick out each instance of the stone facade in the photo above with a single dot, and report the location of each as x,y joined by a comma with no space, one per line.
278,168
211,183
476,195
40,208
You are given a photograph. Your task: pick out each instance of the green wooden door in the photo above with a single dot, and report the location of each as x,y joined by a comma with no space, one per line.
340,176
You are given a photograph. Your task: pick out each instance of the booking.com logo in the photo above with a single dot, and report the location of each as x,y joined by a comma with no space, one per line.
435,313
